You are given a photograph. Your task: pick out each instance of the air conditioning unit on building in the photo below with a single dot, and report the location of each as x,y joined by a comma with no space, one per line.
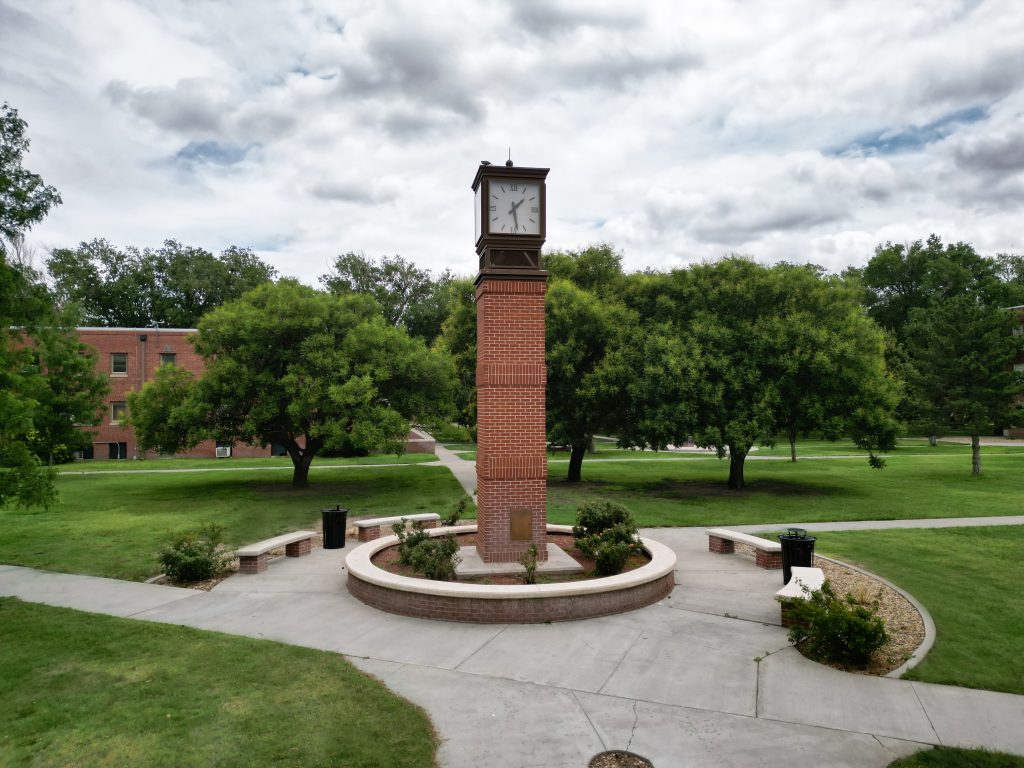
224,452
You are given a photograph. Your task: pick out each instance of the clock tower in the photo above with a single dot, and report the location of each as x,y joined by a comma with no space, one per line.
511,376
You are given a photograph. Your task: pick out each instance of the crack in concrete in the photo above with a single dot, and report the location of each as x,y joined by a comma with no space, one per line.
928,717
632,732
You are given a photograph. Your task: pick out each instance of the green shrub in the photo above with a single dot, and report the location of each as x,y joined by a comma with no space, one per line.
458,510
195,555
408,540
529,562
434,558
605,532
840,631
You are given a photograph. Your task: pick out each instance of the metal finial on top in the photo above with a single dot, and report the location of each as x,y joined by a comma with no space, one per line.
508,163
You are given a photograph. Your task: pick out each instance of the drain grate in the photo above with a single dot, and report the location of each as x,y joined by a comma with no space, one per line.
619,758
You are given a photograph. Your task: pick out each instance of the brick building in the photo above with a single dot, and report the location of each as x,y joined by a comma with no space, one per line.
130,357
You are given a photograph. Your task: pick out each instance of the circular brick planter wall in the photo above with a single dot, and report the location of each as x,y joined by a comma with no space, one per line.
517,604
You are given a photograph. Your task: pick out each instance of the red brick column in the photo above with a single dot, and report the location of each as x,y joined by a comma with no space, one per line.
511,465
299,548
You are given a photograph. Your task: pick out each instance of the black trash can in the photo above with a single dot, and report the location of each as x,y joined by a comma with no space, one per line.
797,550
335,519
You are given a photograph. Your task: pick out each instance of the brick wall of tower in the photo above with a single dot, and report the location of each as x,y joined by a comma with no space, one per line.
511,377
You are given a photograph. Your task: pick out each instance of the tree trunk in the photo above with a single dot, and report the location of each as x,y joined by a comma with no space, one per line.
736,460
300,475
933,440
576,461
792,444
975,455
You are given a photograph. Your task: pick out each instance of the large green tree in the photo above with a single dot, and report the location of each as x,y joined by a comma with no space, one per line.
581,331
306,369
408,296
964,352
170,287
24,198
732,356
47,384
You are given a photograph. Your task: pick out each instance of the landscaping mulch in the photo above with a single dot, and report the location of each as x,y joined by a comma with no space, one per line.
902,621
617,758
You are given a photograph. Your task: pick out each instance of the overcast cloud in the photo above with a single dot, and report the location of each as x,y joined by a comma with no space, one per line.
803,130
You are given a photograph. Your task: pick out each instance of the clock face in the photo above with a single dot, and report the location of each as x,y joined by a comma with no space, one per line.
513,207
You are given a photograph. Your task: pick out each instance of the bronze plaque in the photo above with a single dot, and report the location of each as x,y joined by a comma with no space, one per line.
520,522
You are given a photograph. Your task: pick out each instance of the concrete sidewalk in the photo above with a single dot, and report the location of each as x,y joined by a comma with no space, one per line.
706,677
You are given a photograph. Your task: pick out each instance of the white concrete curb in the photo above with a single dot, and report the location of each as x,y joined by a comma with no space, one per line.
358,562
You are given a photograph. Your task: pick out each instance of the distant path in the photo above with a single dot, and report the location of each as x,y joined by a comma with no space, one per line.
464,471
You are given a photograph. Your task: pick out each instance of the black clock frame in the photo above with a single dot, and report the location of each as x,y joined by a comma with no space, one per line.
504,255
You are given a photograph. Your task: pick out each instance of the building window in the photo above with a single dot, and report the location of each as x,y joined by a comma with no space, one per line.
118,410
1018,367
118,363
168,358
1018,330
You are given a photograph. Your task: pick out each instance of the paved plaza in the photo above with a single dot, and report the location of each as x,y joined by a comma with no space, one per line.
706,677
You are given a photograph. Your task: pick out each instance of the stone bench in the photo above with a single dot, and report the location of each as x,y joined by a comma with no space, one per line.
253,558
802,582
768,554
370,528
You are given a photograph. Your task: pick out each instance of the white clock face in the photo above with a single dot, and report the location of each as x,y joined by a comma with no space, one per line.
513,207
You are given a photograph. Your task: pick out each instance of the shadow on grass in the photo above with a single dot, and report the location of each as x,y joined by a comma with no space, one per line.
699,489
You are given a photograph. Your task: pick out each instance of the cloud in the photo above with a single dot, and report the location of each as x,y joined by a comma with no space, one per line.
1000,153
359,192
193,107
550,18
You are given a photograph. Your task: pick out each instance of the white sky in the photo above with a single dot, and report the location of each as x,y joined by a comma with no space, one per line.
804,130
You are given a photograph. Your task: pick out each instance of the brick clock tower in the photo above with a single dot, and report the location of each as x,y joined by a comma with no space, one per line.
511,465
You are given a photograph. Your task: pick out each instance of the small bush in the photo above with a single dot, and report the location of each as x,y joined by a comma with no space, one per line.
195,555
836,630
408,540
529,562
458,510
605,532
434,558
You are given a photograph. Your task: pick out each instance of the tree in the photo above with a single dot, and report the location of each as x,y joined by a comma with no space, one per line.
46,382
309,370
965,351
743,363
580,331
171,287
24,198
830,367
458,340
596,268
408,296
901,278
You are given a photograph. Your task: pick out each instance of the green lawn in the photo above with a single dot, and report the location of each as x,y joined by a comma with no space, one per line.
691,491
970,580
281,462
82,689
113,524
954,757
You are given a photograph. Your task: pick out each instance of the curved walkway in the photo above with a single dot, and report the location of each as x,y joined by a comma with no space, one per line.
706,677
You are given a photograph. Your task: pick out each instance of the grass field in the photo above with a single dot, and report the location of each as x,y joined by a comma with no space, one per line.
278,462
916,483
83,689
113,524
970,581
954,757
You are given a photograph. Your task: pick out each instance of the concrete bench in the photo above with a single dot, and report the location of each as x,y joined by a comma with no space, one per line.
370,528
768,554
253,558
801,578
